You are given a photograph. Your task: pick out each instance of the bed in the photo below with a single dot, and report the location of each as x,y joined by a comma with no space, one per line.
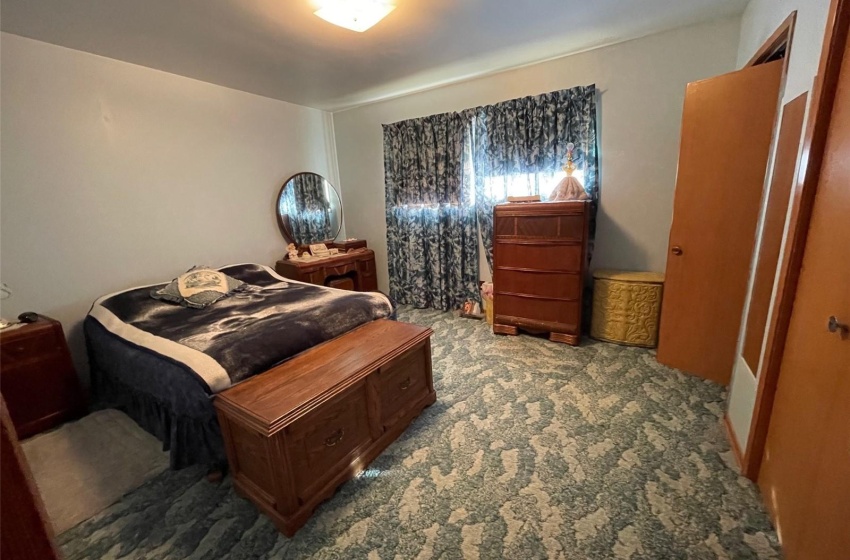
162,364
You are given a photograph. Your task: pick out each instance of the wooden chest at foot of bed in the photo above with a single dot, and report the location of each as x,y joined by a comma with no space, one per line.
296,432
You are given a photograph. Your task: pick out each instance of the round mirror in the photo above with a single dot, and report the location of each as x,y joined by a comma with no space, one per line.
309,210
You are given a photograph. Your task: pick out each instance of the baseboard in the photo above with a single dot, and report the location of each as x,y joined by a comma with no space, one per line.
733,442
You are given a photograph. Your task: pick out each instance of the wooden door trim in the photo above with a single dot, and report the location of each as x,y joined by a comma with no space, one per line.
803,196
733,442
783,35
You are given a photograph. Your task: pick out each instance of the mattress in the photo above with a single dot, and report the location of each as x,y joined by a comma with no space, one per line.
268,321
162,363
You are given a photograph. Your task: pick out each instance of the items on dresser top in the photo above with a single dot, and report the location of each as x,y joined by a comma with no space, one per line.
37,377
539,264
315,251
569,188
627,307
309,210
160,362
349,244
322,250
28,317
353,268
528,198
297,432
24,318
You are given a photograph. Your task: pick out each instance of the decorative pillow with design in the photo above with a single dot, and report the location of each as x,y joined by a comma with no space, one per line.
199,287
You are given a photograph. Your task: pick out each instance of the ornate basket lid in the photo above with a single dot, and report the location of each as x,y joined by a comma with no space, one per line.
629,276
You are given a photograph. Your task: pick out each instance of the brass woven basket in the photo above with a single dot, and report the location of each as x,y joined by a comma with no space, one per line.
626,307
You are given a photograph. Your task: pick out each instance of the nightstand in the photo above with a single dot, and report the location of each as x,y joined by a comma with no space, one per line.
37,377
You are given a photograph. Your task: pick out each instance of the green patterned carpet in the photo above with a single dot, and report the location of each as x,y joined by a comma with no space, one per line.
533,450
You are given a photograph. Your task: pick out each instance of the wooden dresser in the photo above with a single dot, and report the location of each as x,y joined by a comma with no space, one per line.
296,432
354,270
539,265
37,377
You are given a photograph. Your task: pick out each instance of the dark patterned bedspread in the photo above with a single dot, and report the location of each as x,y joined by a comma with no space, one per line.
269,321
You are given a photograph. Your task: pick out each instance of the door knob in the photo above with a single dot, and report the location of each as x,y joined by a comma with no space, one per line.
676,250
834,326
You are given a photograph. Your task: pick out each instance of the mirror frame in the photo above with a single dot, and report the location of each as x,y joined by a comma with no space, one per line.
284,227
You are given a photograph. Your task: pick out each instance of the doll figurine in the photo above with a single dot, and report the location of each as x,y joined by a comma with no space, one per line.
292,251
569,188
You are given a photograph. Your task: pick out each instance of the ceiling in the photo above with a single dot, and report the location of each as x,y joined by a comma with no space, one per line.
279,49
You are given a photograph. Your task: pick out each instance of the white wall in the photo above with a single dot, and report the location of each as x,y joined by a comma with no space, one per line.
760,20
643,86
115,175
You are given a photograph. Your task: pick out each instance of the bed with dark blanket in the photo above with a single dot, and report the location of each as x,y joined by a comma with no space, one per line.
162,363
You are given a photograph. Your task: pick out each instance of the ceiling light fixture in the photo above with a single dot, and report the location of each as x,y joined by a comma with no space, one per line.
356,15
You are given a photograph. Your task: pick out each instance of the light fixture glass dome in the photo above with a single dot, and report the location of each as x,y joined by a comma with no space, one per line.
356,15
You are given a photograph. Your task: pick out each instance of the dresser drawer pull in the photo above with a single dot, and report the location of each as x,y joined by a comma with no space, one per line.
334,439
405,385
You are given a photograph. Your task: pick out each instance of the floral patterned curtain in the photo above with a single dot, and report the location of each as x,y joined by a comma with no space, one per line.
432,236
520,146
305,202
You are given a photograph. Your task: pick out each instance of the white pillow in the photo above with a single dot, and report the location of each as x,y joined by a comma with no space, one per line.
198,288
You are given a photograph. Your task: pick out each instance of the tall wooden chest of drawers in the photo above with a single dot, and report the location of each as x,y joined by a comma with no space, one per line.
539,264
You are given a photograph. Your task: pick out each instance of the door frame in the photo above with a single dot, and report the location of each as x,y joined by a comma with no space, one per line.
782,37
802,202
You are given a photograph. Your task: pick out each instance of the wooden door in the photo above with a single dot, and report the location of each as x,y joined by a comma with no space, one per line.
727,128
25,532
805,473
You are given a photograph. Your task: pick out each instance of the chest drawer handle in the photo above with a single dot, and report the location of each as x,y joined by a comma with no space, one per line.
404,385
334,438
